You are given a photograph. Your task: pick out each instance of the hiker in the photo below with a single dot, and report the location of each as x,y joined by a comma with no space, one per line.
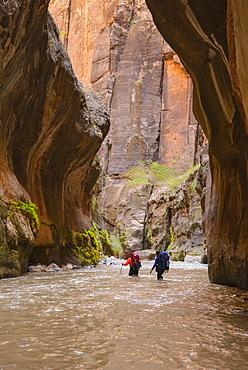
134,262
161,263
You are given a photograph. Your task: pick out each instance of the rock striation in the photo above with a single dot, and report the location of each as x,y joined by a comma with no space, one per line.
175,215
119,55
122,57
51,130
124,210
207,38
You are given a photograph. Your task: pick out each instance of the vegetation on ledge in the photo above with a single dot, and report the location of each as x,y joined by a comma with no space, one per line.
148,172
29,209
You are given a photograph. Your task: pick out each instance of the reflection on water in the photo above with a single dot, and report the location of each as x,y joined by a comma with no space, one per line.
98,319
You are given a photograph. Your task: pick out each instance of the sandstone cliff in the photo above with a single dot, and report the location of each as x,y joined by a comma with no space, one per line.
119,54
211,40
51,131
175,213
152,206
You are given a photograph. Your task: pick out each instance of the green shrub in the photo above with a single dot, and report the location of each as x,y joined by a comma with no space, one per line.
87,255
89,246
137,176
171,237
148,172
178,180
162,174
116,245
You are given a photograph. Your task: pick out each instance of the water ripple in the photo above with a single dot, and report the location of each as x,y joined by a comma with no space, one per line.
101,319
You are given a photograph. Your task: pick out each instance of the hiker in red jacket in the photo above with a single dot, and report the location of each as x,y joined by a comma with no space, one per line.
134,262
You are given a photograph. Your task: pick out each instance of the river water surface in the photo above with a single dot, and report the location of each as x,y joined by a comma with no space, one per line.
100,319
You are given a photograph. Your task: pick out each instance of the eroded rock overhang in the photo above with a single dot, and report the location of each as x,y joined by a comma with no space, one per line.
211,40
51,128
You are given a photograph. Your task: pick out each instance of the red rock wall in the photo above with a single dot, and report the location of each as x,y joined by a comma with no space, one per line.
237,31
118,53
51,128
197,31
178,129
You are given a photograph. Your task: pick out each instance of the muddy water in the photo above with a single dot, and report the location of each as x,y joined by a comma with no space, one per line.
98,319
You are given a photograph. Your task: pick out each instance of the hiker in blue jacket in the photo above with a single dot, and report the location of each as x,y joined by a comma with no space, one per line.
161,263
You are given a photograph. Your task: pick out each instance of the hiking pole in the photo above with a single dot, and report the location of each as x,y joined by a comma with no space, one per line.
121,267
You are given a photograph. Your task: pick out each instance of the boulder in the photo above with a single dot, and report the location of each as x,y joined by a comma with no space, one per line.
37,268
53,267
146,254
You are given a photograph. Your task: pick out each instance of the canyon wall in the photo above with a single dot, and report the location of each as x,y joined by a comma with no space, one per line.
211,40
175,215
118,53
51,130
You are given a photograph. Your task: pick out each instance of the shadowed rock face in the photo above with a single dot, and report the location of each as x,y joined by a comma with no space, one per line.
51,128
175,215
207,37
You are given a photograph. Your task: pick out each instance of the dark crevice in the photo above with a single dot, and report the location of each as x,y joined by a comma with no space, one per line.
161,102
145,240
68,24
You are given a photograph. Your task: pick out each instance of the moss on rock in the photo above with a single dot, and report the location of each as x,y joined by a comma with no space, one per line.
9,258
178,255
29,209
18,228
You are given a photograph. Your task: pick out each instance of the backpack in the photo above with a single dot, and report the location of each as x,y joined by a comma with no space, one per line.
163,261
135,259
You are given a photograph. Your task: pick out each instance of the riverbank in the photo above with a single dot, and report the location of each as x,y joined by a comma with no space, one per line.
53,267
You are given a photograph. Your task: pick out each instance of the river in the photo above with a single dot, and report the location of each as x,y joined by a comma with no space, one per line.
100,318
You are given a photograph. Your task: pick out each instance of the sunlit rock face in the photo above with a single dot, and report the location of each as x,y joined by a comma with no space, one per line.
211,39
119,54
51,128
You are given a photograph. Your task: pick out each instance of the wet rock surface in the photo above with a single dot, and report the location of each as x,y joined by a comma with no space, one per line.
53,267
206,38
148,93
51,127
